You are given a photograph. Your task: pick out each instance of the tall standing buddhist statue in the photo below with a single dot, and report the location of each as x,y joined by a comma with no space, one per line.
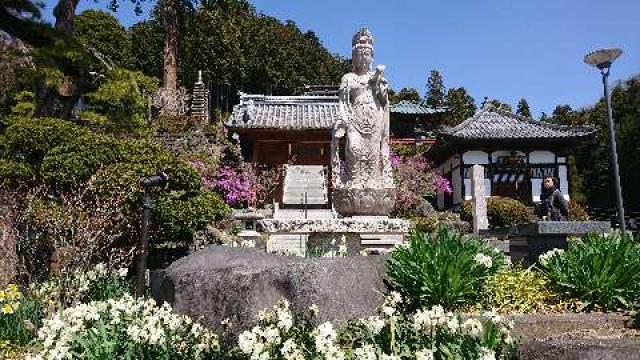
363,183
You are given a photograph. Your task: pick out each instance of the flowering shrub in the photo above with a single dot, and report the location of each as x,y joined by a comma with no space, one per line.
442,269
601,271
123,329
245,184
235,186
429,333
20,314
415,180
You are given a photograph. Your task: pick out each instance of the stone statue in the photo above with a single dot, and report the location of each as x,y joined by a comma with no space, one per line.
363,183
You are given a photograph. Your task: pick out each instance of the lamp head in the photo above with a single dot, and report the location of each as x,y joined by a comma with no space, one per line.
155,180
603,58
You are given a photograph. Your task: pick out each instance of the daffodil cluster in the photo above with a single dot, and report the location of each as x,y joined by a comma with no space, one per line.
429,334
136,328
280,335
97,283
546,257
10,299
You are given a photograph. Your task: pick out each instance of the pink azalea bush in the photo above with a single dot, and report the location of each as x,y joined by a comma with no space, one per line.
241,185
235,185
415,180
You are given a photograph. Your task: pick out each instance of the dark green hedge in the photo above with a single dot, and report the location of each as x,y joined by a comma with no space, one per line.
14,174
501,211
182,218
70,164
29,139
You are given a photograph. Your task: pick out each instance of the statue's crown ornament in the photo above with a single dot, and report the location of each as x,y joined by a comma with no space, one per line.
362,38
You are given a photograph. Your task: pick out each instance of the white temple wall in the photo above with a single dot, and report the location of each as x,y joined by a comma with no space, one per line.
467,188
475,157
542,157
564,182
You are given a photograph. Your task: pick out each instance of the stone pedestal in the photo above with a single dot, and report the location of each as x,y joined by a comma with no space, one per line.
355,233
479,209
529,241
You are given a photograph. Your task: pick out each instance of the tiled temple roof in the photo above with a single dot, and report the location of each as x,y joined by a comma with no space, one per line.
415,107
489,123
284,112
305,112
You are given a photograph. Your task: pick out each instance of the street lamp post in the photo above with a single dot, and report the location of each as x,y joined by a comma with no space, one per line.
602,59
143,245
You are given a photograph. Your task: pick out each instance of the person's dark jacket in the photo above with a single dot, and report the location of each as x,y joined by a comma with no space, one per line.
553,205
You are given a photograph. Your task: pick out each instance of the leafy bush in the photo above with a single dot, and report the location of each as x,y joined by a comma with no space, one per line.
440,219
179,220
120,101
601,271
442,269
14,174
501,211
30,139
124,329
24,104
72,231
70,164
20,315
519,290
577,212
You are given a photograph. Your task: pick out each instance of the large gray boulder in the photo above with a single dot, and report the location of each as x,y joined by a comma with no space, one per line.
219,282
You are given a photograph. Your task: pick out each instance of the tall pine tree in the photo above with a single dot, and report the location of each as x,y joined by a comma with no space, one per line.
460,104
435,89
523,108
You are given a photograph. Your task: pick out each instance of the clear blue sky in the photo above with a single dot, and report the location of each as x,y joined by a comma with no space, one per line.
504,49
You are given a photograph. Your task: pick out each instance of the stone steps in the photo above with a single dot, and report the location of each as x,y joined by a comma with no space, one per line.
301,179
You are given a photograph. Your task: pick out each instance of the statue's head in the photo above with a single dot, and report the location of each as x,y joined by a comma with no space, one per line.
362,50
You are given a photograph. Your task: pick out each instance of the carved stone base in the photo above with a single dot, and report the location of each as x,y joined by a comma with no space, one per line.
364,202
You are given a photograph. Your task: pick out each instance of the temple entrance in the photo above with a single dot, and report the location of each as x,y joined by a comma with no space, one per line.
515,186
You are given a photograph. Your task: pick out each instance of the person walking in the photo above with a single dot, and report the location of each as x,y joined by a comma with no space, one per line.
553,206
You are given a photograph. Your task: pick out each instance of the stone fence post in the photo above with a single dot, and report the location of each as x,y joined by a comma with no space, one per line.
479,200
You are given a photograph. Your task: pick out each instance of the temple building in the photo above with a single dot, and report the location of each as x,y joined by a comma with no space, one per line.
296,130
516,152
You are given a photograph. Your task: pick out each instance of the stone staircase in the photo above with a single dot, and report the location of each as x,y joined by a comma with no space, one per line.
305,185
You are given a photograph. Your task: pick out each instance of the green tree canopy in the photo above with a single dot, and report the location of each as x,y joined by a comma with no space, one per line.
102,33
228,40
460,105
523,108
592,160
435,89
410,94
